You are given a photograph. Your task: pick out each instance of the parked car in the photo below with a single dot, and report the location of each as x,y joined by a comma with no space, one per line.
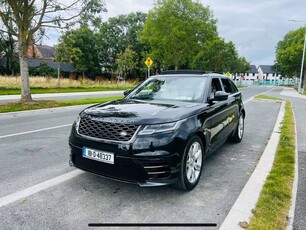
161,132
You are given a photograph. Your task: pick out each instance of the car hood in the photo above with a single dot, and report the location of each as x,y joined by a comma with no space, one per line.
143,112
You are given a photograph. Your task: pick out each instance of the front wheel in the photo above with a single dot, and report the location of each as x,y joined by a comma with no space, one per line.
192,164
239,131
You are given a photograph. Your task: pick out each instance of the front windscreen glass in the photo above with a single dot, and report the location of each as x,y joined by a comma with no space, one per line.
184,88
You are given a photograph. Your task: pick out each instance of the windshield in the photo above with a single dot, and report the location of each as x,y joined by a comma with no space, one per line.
184,88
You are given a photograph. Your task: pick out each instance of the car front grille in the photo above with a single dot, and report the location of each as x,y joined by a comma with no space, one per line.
106,130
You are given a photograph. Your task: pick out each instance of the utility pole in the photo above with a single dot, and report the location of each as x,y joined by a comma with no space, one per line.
301,89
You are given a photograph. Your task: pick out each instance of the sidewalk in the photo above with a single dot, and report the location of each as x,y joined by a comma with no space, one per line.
64,96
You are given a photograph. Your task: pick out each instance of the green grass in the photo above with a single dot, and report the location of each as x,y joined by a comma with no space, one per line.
274,202
261,96
43,104
5,91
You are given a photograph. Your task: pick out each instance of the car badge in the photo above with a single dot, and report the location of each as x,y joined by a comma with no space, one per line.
123,133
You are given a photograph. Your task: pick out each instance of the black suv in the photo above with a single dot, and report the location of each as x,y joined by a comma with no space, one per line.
160,133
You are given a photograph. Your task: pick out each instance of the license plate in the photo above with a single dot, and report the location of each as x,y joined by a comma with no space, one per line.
98,155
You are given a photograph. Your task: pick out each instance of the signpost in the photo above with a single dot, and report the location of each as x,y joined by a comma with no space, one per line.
148,63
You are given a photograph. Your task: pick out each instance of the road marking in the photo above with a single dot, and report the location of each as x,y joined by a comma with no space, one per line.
34,131
39,187
250,99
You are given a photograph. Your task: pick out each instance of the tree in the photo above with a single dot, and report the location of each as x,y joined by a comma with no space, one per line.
29,17
80,48
176,30
289,53
126,61
116,35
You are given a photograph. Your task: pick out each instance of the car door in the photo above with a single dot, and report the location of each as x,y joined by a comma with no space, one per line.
219,116
232,111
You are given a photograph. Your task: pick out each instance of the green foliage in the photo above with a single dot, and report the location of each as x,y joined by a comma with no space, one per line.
220,56
116,35
289,53
176,29
126,61
80,48
42,70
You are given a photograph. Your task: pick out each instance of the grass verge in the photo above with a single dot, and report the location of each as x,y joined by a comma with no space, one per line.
275,198
43,104
5,91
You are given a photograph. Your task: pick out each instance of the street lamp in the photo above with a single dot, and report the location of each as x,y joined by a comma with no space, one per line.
300,90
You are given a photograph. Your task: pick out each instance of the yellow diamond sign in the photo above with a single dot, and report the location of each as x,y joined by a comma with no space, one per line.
149,62
228,74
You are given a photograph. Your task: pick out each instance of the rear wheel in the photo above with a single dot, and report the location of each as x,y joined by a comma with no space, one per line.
239,131
192,164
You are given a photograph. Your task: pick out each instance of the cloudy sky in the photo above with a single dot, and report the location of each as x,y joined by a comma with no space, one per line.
255,26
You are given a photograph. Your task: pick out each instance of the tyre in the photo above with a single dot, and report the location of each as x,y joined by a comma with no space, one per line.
239,131
192,164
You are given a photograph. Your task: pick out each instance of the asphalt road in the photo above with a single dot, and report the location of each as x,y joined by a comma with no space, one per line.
34,151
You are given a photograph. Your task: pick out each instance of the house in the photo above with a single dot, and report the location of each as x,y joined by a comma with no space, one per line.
41,52
251,74
268,72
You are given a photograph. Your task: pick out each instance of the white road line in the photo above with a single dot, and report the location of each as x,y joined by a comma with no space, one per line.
34,131
39,187
250,99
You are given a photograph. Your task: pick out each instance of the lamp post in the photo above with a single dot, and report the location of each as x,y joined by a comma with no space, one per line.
302,67
300,89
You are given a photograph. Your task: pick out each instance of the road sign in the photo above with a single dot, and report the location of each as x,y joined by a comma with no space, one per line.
149,62
228,74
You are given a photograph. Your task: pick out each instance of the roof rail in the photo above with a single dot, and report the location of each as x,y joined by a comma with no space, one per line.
182,71
187,71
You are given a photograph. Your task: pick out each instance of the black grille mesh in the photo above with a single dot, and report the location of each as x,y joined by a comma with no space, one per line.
106,130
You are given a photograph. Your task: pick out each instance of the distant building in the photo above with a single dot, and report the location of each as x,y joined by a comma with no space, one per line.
268,72
41,52
38,54
251,74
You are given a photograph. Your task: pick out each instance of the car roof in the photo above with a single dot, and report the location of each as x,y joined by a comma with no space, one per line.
190,75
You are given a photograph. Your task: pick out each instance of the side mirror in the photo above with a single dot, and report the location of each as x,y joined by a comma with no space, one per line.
221,96
127,92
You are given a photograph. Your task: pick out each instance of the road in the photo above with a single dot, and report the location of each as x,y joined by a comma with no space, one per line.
40,191
64,96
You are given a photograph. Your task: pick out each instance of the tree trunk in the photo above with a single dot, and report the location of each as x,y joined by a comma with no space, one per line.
177,63
25,82
58,75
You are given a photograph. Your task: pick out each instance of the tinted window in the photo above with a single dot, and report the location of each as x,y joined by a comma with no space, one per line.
228,87
215,86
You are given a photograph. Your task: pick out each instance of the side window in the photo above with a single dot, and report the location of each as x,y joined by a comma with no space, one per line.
228,87
215,86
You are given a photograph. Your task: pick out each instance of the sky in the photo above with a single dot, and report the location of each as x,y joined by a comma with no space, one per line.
255,26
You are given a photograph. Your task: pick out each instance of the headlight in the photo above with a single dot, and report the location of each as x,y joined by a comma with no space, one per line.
161,128
77,122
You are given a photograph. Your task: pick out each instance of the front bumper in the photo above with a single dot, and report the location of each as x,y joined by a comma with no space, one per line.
136,163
